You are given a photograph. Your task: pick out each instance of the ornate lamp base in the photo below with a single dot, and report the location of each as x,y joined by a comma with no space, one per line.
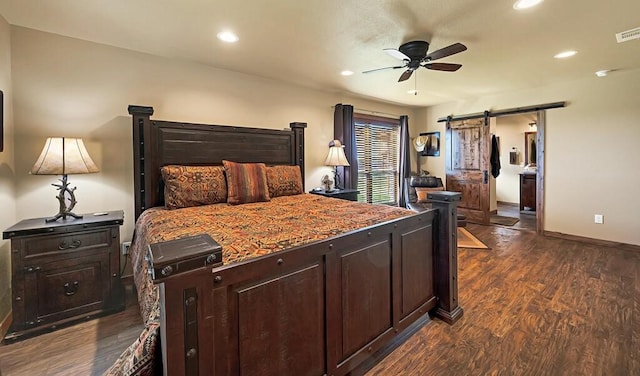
336,178
65,211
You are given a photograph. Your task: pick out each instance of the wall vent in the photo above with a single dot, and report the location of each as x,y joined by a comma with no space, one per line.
628,35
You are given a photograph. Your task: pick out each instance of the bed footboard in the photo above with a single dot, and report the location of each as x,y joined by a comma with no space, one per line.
333,307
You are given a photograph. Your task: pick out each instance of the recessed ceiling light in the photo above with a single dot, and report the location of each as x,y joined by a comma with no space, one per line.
565,54
524,4
346,73
227,36
603,73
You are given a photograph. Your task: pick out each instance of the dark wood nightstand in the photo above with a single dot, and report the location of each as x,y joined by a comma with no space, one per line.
345,194
64,271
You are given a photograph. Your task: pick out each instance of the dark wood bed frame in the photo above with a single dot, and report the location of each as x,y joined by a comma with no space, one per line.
332,307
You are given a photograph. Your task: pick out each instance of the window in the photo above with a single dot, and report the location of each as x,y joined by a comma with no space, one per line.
378,148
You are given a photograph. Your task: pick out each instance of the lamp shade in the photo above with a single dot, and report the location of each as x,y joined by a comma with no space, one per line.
336,155
62,156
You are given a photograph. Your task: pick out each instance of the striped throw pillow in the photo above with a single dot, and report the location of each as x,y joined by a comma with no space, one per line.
246,182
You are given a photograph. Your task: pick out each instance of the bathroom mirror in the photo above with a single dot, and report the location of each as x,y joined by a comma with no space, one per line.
530,148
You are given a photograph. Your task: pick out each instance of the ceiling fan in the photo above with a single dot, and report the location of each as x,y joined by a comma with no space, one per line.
414,55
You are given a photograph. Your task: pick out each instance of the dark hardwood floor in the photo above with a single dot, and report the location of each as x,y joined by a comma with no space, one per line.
533,306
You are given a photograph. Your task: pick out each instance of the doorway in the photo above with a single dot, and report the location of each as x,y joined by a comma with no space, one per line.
513,191
467,166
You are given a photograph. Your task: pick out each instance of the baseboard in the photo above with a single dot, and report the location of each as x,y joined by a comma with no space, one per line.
508,203
5,324
584,239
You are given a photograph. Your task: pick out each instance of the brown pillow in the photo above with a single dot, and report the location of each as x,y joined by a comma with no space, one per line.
422,192
284,180
186,186
247,182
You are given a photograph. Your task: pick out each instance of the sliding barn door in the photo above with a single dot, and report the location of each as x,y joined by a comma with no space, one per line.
468,168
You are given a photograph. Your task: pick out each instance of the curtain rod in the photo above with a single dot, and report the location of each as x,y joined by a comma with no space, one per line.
509,111
375,113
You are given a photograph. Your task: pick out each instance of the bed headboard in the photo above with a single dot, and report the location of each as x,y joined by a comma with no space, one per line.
158,143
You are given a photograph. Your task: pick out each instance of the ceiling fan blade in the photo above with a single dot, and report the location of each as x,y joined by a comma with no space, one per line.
447,51
443,66
381,69
397,54
405,76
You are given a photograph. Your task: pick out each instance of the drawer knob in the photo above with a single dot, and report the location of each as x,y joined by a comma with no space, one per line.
66,245
71,289
211,258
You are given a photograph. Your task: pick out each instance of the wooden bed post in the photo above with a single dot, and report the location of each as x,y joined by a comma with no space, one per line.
298,130
446,255
141,132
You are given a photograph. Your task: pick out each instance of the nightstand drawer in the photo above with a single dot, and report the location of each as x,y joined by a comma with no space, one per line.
44,245
70,287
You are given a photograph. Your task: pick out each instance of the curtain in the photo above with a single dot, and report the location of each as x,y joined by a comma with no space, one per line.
343,130
405,159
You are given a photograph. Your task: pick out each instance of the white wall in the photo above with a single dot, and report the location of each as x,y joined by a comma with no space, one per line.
7,168
592,153
65,86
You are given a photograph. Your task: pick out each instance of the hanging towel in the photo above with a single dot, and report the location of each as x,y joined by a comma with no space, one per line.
495,157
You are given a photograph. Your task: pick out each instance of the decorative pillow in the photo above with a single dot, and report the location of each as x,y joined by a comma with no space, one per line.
284,180
186,186
422,192
247,182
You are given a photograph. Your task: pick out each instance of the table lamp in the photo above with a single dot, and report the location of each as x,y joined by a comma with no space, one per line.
336,158
63,156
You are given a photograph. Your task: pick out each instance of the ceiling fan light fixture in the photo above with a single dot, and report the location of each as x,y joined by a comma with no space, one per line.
524,4
565,54
346,73
414,55
227,36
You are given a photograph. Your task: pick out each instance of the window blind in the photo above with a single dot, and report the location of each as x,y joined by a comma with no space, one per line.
378,148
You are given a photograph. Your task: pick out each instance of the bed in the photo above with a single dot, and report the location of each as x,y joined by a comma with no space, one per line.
328,287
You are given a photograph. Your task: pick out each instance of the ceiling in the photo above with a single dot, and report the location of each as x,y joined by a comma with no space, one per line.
310,42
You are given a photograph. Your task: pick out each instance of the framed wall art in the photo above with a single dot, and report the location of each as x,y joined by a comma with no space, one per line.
432,146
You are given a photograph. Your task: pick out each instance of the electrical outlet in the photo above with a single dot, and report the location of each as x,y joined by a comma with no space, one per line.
599,219
125,248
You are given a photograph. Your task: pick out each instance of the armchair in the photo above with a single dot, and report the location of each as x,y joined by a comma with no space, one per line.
429,183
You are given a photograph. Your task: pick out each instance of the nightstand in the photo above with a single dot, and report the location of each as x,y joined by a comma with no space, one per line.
64,271
345,194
